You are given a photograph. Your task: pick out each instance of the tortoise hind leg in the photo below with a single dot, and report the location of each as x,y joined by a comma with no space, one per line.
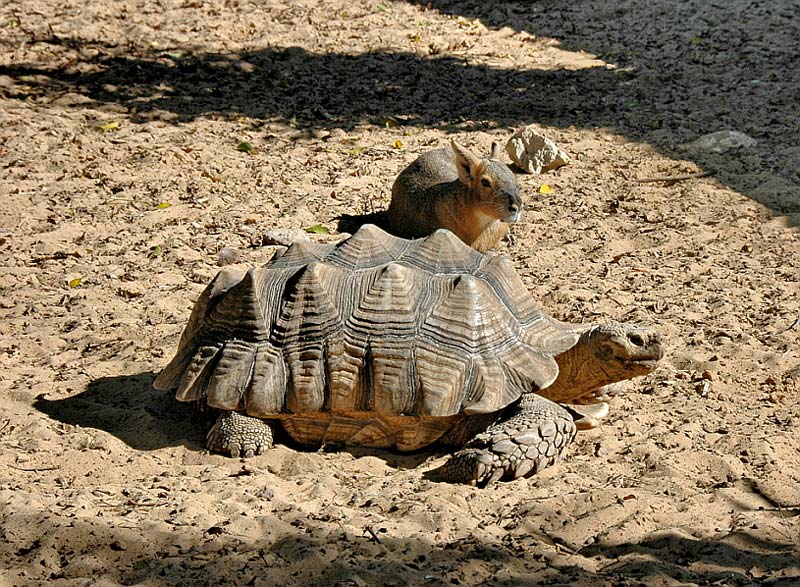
237,434
532,438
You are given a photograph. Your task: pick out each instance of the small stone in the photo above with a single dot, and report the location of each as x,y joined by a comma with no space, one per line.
266,493
227,256
284,236
533,152
720,142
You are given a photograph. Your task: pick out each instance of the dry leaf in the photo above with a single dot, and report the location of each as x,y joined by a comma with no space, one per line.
113,125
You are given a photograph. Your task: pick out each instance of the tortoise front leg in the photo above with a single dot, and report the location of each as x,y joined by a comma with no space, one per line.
237,435
532,438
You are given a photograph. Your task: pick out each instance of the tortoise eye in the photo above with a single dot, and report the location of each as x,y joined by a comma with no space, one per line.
486,183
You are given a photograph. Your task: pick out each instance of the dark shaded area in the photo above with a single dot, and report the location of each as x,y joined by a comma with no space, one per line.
128,408
680,72
323,91
218,556
737,559
684,69
352,222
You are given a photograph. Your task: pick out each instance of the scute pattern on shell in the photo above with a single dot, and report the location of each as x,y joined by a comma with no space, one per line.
377,335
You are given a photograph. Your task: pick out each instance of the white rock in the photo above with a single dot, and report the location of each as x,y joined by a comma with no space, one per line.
283,236
721,141
530,150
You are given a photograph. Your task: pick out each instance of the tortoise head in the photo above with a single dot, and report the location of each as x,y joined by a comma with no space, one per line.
602,355
624,351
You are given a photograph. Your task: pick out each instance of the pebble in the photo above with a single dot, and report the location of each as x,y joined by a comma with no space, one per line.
227,256
283,236
720,142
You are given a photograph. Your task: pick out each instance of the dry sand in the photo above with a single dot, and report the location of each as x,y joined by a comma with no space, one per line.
120,182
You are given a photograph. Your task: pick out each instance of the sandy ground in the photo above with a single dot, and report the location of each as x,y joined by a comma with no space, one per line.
120,182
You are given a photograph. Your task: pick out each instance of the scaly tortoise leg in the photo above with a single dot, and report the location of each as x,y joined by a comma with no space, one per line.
533,438
237,435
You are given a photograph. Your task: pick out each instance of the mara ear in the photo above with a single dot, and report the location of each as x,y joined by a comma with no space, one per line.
467,164
496,151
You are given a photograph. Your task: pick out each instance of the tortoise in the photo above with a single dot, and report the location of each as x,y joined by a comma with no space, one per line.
384,342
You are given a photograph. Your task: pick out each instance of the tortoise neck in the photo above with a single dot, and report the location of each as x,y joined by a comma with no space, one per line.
579,372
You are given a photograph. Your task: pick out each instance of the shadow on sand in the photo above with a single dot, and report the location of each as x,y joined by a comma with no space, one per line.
128,408
320,555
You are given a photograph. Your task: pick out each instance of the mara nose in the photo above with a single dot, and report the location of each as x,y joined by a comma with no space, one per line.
513,207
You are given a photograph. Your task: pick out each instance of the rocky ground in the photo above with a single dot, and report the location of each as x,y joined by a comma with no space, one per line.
122,178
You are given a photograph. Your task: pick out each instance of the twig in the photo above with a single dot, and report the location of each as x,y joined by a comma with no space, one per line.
560,543
673,178
35,469
792,326
139,504
780,508
371,532
58,256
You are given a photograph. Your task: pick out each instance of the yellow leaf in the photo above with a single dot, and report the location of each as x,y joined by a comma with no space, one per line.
162,205
317,229
75,282
416,38
398,144
545,189
113,125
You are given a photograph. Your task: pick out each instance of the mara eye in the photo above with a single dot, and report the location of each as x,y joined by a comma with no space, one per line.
486,183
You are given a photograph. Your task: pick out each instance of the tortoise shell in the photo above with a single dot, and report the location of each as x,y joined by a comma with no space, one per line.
375,341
